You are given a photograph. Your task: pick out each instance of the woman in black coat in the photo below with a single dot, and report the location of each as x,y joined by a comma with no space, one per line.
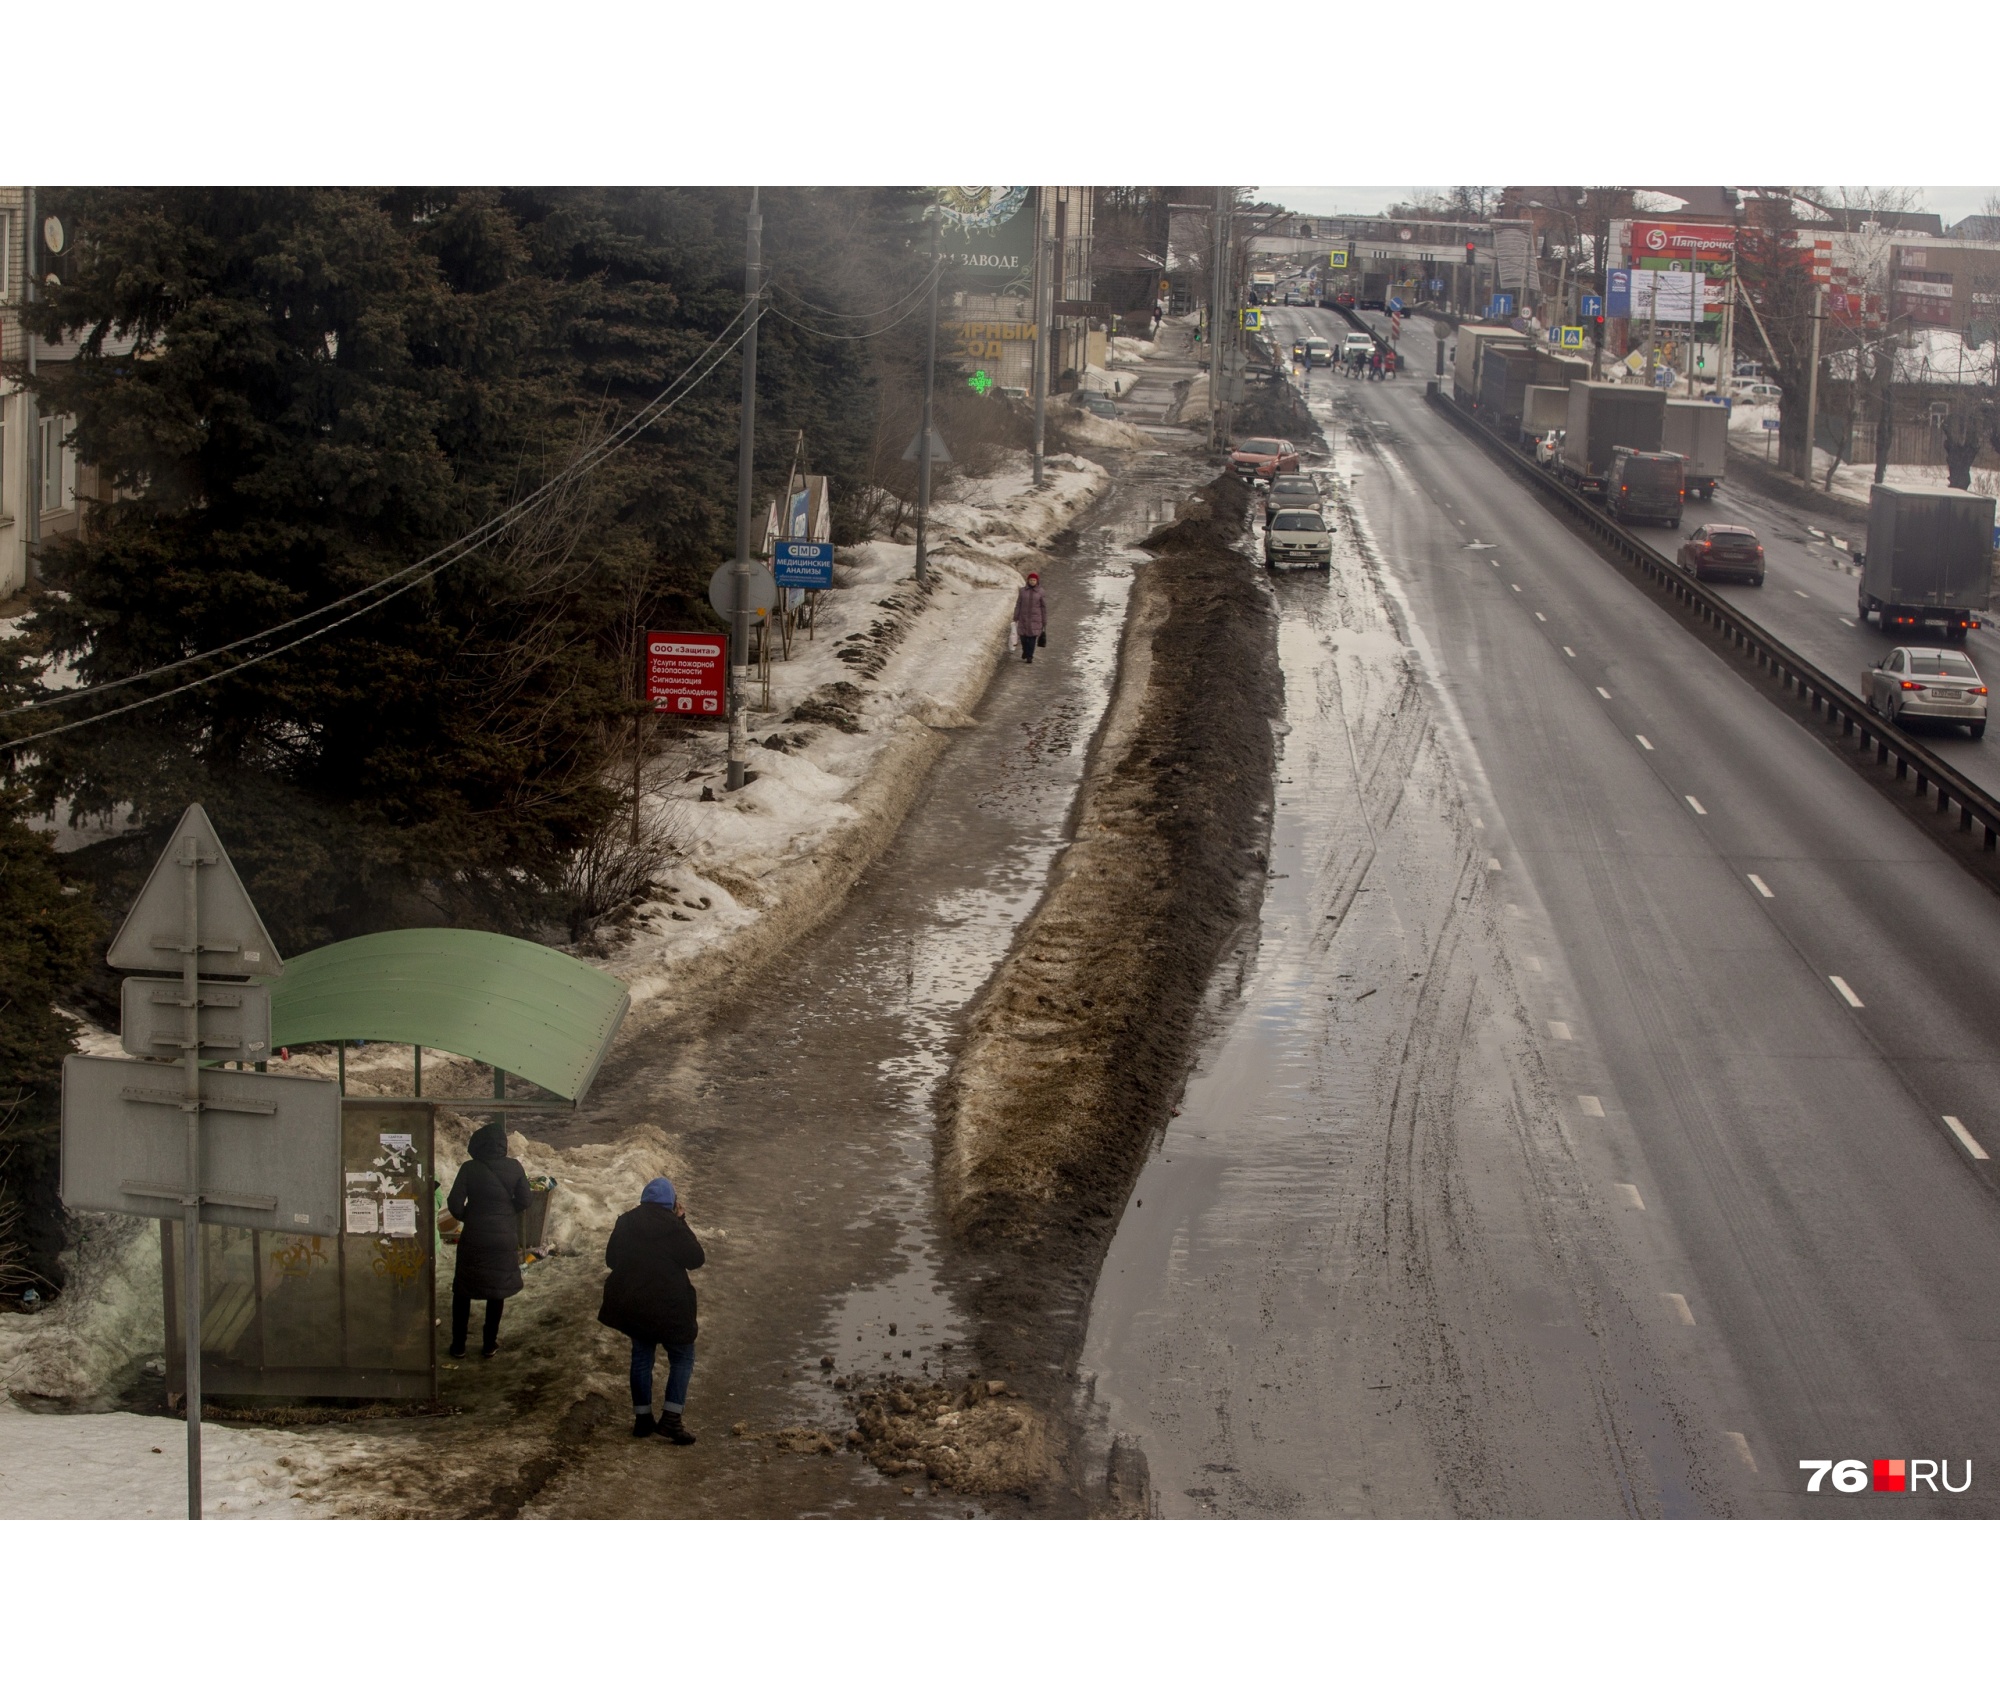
648,1297
488,1197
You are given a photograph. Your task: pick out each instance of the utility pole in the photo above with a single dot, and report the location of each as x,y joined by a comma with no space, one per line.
924,437
1041,358
1812,388
1215,311
746,456
31,408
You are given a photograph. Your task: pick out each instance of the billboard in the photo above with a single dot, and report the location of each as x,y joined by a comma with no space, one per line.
1656,242
986,233
685,673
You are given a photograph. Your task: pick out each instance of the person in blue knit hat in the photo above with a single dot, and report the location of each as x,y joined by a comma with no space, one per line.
649,1298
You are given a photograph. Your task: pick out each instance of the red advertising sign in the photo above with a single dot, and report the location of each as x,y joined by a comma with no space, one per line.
687,674
1657,240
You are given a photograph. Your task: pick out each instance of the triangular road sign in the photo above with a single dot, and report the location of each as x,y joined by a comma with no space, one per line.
234,943
938,451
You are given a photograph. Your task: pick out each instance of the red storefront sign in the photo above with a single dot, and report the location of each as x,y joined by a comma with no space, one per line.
687,674
1658,240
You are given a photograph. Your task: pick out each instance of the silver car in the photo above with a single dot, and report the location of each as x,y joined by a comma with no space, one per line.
1298,539
1918,684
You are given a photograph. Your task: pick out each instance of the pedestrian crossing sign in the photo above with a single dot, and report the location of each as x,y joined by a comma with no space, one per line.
1253,320
1336,258
1572,337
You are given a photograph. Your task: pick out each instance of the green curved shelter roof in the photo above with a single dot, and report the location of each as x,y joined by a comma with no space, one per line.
531,1010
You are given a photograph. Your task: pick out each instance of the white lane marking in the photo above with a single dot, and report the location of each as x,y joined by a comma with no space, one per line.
1602,694
1632,1196
1496,561
1557,1028
1757,883
1973,1147
1700,811
1591,1106
1839,544
1795,592
1848,620
1679,1306
1742,1449
1846,990
1538,615
1810,529
1494,864
1567,652
1640,738
1516,585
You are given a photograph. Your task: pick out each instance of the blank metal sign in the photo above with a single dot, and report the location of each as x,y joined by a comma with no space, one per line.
270,1145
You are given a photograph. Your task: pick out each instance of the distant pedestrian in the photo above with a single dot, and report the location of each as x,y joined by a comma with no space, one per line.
1375,365
1031,617
649,1298
488,1198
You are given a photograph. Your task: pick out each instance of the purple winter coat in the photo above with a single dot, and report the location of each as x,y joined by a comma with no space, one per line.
1030,613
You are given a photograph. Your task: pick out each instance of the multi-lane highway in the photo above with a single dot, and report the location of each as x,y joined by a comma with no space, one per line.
1766,1003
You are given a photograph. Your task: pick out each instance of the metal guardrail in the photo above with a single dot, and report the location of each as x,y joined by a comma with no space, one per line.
1729,628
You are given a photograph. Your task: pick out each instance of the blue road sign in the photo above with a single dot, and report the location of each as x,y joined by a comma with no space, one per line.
1555,334
802,563
1771,426
1395,305
1593,306
1503,305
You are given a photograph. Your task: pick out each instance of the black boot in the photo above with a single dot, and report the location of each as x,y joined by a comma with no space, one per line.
643,1424
673,1431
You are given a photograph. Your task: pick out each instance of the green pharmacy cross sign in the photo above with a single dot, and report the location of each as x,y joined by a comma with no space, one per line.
981,382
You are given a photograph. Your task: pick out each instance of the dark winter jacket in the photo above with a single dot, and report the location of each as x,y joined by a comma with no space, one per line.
488,1196
1031,614
647,1293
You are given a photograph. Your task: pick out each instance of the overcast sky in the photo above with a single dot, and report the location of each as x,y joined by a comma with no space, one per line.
1951,204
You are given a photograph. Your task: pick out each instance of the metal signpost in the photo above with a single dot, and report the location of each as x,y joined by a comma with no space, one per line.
1771,426
261,1153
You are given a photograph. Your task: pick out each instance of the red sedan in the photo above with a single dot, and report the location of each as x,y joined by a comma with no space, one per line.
1260,459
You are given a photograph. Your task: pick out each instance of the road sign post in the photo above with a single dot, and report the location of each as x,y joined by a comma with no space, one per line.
274,1159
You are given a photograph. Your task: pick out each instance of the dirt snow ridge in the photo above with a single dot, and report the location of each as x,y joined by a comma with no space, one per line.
1071,1059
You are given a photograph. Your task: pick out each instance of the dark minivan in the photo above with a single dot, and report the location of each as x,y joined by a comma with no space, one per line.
1645,486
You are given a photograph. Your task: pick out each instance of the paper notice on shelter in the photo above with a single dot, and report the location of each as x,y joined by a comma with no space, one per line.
397,1140
361,1215
399,1217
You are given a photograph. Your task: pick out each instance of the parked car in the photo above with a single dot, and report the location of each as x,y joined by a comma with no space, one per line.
1261,459
1711,552
1754,391
1918,685
1298,539
1290,492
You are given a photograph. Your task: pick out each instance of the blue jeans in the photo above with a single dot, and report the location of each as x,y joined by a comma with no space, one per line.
680,1371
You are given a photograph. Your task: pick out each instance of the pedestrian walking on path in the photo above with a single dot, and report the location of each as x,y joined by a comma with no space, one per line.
649,1298
1031,617
488,1198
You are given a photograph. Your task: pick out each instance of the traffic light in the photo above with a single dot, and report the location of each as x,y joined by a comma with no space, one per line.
1471,249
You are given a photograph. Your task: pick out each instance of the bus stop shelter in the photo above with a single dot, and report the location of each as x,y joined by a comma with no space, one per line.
354,1315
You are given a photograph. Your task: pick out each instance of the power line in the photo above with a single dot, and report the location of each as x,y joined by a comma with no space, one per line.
449,553
403,579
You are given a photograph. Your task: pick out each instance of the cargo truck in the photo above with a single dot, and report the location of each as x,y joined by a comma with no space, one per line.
1468,345
1604,418
1544,409
1505,373
1929,560
1698,433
